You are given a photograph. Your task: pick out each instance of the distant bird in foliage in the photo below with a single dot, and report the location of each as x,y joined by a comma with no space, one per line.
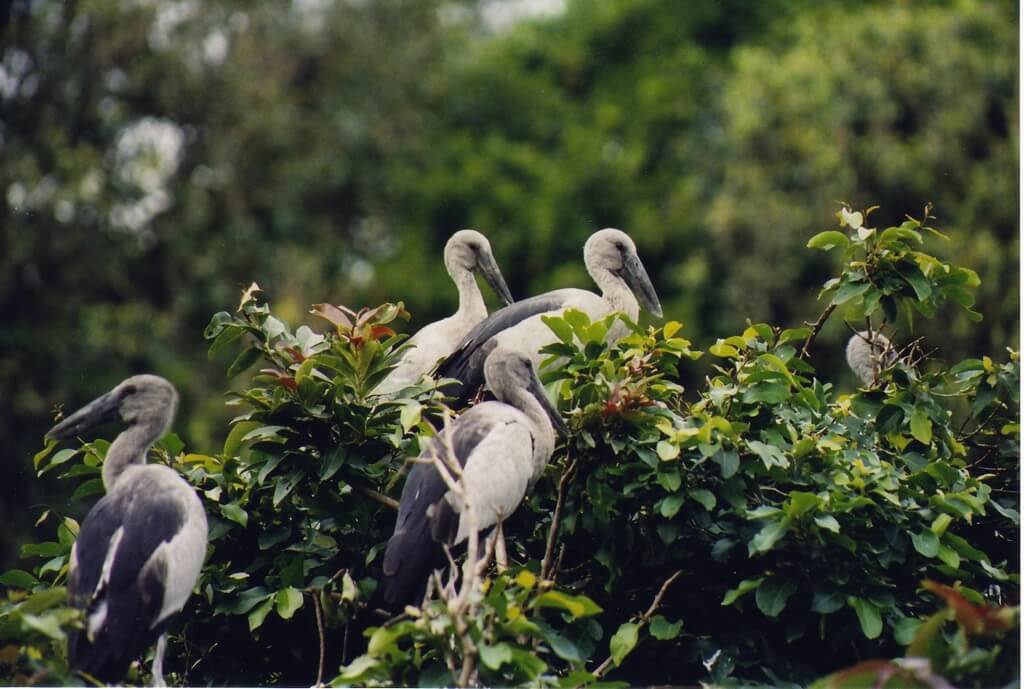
612,261
140,548
502,447
867,353
466,253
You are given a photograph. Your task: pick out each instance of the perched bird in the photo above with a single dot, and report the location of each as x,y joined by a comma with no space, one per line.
140,548
611,260
466,253
502,447
867,353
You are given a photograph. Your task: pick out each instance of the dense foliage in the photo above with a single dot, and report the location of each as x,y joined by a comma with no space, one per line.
159,154
762,528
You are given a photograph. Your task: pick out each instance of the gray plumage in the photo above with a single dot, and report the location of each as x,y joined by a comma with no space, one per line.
140,548
502,447
467,252
611,260
868,353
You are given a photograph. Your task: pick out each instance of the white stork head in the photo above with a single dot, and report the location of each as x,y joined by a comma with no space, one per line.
469,251
140,400
612,251
511,377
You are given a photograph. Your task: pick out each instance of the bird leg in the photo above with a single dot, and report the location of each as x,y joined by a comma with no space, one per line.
500,552
158,661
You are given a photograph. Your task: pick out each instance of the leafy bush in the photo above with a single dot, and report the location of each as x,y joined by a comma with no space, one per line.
764,527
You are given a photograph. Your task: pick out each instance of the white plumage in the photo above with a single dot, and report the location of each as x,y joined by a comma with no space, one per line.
466,253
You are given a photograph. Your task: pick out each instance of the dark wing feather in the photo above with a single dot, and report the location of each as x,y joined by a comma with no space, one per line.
466,363
412,553
132,598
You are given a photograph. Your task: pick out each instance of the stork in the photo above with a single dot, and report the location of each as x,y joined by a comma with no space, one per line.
502,447
867,353
612,261
467,252
140,548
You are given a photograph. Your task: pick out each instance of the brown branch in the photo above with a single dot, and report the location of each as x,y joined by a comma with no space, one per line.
374,495
644,619
318,611
816,328
546,567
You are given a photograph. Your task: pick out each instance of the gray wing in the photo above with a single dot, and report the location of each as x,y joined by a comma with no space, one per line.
466,363
118,537
412,552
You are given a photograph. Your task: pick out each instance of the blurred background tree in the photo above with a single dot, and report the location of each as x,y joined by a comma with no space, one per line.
156,155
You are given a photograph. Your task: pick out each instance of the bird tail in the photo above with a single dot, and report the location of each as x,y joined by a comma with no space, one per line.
120,638
410,557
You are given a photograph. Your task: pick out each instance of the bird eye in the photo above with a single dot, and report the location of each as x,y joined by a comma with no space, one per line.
128,390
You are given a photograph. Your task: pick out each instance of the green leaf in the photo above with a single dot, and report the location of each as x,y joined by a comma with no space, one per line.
868,616
667,451
827,602
93,486
235,513
770,392
669,505
559,327
495,656
827,521
225,338
259,613
47,625
670,480
60,458
245,359
772,594
18,578
623,641
848,291
234,439
705,497
729,461
926,543
921,426
917,281
663,630
769,535
745,587
410,416
577,606
288,600
828,240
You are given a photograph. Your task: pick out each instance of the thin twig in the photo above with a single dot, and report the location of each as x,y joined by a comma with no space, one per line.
319,613
816,328
549,550
644,619
374,494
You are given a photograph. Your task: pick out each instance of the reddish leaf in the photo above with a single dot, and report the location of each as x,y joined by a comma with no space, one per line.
282,378
379,331
975,619
338,315
295,354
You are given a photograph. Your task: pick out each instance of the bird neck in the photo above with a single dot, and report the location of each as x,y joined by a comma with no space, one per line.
128,448
540,428
471,301
616,292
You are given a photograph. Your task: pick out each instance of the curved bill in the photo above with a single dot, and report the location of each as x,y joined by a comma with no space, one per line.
537,390
635,275
103,408
488,267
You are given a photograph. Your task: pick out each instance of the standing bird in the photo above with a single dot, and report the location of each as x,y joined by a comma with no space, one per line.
140,548
611,260
867,353
467,252
502,447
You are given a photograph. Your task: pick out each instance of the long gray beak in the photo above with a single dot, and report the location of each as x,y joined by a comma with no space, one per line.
103,408
488,267
635,275
537,390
